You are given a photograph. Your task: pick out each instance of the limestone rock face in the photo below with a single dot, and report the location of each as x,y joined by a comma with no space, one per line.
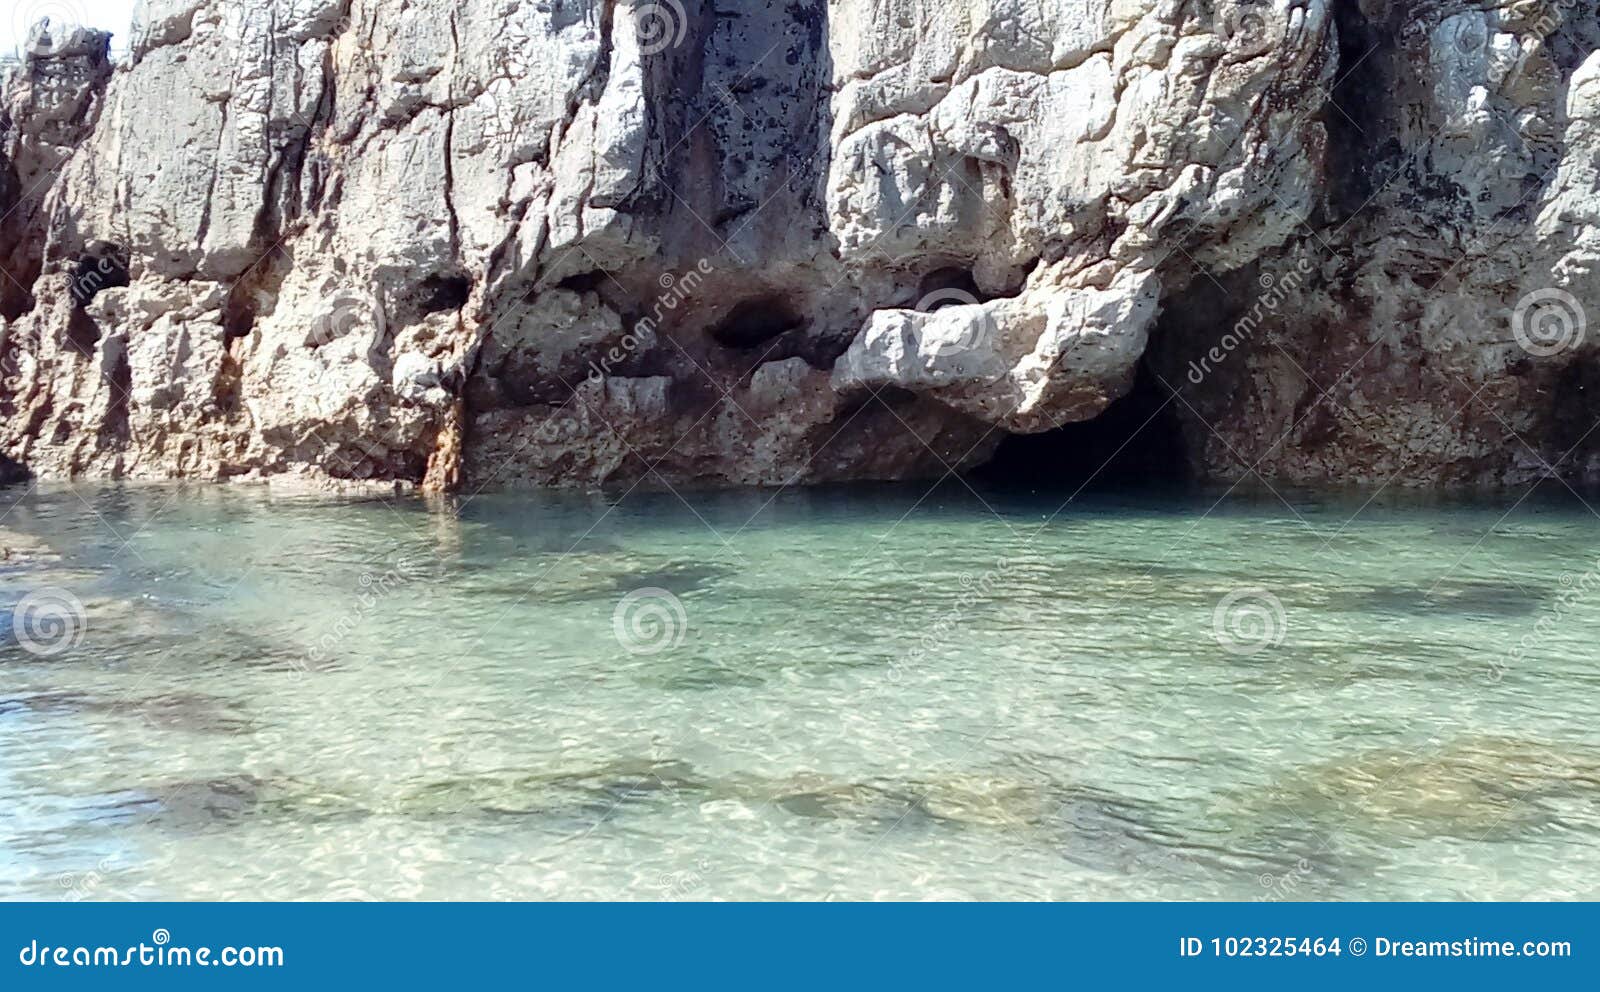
667,242
1429,324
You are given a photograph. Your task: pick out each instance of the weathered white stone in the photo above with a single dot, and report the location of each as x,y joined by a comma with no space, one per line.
516,240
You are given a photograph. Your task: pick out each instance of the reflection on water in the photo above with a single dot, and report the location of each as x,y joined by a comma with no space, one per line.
855,693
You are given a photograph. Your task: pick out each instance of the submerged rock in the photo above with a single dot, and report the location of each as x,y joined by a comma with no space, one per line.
1473,788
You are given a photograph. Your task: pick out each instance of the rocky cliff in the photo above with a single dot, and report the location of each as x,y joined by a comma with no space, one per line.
452,242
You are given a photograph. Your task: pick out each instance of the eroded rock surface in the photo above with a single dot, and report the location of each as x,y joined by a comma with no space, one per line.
474,242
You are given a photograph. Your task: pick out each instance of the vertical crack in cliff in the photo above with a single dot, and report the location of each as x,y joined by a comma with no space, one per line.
49,103
450,143
204,227
1355,134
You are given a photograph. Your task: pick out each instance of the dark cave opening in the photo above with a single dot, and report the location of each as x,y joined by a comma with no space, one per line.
442,293
947,285
239,312
755,322
1573,411
1136,443
104,266
584,282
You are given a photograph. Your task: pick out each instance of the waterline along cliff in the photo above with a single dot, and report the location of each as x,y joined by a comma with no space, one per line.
722,242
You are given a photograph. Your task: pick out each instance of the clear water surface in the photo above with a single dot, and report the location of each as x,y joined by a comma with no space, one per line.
873,693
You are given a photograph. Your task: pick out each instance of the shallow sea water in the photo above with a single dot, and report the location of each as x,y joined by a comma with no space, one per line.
863,693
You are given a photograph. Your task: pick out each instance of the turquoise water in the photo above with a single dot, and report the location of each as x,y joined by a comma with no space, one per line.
875,693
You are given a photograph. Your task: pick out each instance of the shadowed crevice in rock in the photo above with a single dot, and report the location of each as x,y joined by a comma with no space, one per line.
1572,411
15,299
1136,442
103,266
755,322
1357,139
49,103
441,293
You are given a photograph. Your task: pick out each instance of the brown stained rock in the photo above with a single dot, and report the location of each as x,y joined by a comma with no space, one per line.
493,242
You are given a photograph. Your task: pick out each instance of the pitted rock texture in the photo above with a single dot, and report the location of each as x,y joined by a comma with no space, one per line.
666,242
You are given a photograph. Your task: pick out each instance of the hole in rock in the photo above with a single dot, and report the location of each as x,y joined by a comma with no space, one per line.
239,311
1574,409
15,300
1136,441
12,471
946,286
441,293
584,282
103,266
755,322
